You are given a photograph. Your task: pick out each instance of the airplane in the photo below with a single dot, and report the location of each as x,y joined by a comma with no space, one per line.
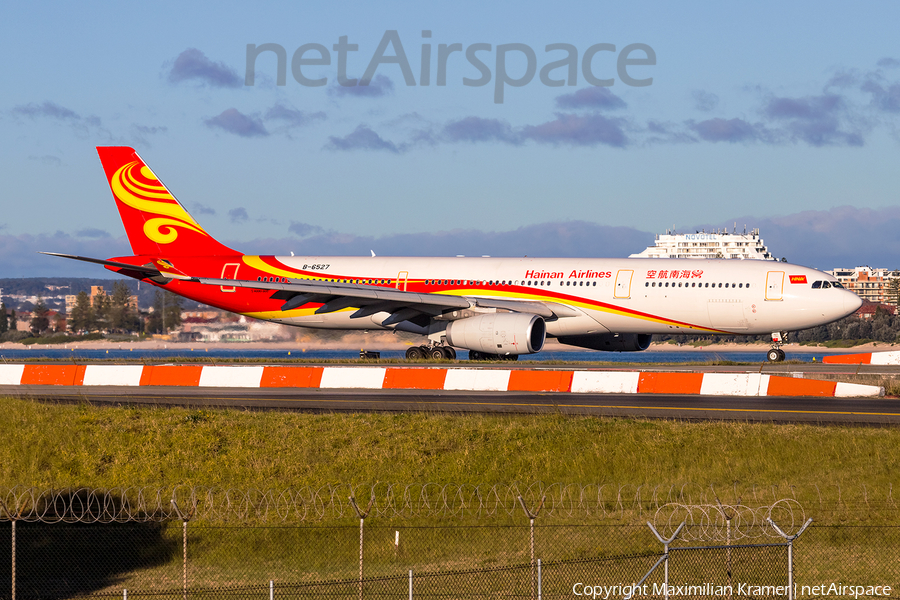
496,308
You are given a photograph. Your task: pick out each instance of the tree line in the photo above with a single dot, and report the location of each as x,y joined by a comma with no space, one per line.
106,313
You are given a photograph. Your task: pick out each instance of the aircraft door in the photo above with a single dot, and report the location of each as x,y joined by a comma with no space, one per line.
402,277
623,284
775,285
229,271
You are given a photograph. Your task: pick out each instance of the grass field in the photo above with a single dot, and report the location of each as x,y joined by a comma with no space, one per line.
55,445
842,475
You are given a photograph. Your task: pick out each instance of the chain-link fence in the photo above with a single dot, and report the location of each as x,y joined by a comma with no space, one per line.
89,543
60,560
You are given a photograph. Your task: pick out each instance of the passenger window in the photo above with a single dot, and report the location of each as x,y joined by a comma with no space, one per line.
646,284
816,285
720,285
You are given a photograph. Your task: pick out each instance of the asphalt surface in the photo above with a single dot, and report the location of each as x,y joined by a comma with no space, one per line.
857,411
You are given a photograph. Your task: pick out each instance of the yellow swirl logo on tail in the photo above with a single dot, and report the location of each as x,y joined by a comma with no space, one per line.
139,188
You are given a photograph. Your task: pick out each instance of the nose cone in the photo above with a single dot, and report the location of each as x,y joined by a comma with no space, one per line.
852,302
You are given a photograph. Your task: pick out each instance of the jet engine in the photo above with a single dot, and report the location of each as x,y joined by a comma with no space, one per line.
609,342
499,333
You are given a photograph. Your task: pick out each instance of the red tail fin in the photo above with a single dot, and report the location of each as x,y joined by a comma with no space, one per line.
155,222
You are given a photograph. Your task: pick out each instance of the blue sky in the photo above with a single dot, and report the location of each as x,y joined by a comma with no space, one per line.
781,117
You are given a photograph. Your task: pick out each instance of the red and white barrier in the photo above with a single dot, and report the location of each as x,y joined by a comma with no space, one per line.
431,378
864,358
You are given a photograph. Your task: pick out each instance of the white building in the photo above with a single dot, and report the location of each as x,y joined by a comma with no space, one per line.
708,245
872,285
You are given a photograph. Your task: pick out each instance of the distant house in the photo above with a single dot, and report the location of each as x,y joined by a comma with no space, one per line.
96,290
23,320
868,310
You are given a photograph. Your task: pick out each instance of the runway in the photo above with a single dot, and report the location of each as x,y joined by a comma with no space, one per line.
857,411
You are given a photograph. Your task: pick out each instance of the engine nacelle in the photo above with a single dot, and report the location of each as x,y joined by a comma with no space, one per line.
609,342
499,333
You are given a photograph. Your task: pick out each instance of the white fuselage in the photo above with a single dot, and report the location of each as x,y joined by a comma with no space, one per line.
599,295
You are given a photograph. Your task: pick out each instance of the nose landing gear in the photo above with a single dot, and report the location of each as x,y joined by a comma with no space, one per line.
776,354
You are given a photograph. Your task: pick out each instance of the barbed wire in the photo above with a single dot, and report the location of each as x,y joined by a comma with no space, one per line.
695,504
729,522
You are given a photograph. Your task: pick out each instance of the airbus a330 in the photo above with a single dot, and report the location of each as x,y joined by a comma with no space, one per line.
496,308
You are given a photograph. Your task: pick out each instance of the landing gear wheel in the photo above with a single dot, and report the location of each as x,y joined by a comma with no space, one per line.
415,353
781,355
475,355
437,353
449,353
775,355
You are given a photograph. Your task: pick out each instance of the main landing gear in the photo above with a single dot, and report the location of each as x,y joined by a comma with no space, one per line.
432,352
438,352
776,354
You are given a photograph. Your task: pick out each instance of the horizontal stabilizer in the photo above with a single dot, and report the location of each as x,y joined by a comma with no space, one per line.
149,269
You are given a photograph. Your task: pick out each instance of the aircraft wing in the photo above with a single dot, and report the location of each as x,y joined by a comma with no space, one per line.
333,296
403,305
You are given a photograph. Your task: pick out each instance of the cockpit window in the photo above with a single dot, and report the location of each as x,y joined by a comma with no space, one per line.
825,285
816,285
836,284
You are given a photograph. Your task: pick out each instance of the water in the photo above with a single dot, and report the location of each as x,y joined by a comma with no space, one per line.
202,354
